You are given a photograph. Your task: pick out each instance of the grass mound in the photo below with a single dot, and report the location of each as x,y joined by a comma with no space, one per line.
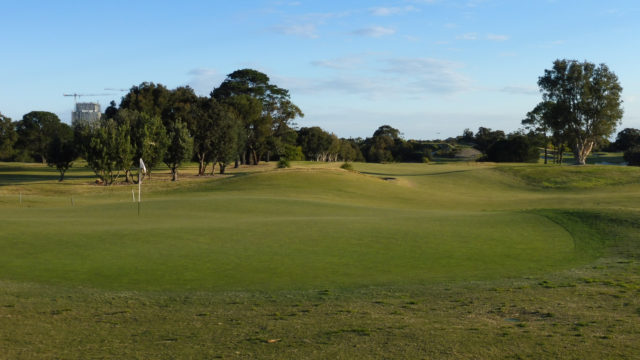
574,177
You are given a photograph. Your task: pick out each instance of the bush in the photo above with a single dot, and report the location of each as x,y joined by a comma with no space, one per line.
514,149
632,156
347,166
283,163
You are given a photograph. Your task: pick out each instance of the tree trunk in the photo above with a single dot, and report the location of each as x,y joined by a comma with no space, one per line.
237,165
174,174
546,150
268,153
202,163
213,168
581,150
254,156
222,167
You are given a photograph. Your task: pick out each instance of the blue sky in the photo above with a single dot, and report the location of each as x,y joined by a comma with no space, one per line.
430,68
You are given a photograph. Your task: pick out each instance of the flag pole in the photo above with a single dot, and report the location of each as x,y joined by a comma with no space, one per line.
141,169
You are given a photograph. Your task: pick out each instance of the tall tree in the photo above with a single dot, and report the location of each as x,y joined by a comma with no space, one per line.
109,151
276,111
8,137
62,151
540,120
627,139
587,102
35,132
315,142
148,138
202,127
149,98
485,137
180,147
383,145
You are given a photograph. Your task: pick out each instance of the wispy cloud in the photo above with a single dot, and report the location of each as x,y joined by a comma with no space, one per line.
203,80
303,30
520,90
408,78
475,36
495,37
306,25
396,10
342,63
468,36
429,75
375,31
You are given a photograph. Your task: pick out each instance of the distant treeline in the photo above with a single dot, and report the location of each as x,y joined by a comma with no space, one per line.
247,119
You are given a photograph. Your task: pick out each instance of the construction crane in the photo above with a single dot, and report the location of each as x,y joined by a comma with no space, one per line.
114,89
76,96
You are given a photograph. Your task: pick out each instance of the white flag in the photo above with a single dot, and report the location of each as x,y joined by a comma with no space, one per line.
142,167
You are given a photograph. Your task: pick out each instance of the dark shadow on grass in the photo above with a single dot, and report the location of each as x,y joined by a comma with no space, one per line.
418,174
16,175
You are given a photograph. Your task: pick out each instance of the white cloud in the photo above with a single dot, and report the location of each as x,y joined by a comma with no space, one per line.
374,31
304,30
397,10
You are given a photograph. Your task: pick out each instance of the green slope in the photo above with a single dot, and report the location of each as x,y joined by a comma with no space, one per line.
290,229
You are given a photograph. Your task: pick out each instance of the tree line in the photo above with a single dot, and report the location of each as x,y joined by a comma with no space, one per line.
247,119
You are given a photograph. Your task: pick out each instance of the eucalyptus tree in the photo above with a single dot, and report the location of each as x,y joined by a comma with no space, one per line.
8,137
586,101
180,147
267,121
62,151
148,139
35,132
109,152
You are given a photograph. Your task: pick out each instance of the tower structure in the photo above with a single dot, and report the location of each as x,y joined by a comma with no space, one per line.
86,113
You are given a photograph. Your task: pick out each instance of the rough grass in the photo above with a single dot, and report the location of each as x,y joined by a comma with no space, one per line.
444,261
574,177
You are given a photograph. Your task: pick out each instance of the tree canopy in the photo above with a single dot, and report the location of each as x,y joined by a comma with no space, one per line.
584,103
35,131
8,137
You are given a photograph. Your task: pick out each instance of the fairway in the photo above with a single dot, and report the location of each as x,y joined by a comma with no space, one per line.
324,260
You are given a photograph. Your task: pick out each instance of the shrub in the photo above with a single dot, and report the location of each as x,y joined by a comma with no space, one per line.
514,149
347,166
632,156
283,163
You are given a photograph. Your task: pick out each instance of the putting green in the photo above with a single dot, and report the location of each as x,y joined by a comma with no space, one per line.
296,229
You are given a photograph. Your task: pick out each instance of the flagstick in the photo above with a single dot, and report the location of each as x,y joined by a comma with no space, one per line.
139,190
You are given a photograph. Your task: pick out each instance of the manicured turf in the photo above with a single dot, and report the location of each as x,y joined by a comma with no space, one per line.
395,259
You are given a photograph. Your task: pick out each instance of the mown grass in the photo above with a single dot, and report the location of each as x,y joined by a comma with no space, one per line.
438,261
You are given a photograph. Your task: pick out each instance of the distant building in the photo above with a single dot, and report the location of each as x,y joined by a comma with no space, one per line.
86,113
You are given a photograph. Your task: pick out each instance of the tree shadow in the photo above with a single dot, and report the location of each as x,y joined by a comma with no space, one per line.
17,175
414,174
